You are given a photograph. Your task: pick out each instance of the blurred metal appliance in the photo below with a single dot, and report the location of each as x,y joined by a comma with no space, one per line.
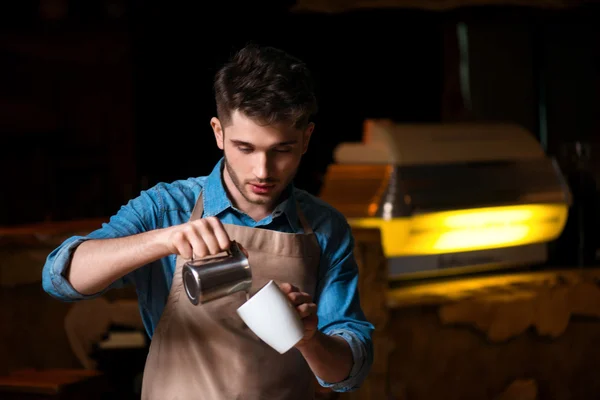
450,198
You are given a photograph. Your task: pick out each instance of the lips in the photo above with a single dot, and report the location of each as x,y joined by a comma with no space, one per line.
261,189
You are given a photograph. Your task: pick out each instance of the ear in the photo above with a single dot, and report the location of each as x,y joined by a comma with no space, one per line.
218,131
306,136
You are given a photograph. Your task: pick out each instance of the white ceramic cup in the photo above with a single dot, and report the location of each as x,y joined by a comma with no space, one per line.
273,318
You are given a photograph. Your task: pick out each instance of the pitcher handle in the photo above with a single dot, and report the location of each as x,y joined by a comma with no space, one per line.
233,250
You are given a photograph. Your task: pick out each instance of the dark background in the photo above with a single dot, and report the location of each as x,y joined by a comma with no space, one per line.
102,99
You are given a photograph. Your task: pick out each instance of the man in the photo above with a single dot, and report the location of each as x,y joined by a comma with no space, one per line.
265,102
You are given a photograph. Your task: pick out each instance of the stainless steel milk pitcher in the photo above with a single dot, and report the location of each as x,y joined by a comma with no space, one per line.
211,278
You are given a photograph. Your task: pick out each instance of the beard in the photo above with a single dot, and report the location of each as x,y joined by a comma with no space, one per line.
241,186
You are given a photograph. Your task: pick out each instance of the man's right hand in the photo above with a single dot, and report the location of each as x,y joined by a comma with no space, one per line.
98,263
198,238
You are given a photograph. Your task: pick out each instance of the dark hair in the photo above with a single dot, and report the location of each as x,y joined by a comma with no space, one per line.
267,85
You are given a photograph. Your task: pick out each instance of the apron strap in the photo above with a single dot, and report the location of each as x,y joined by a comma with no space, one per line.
198,208
305,225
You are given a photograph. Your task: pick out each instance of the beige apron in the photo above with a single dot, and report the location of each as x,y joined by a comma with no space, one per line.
207,352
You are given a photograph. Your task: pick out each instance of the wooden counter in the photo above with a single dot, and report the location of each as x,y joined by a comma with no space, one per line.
527,336
54,384
24,248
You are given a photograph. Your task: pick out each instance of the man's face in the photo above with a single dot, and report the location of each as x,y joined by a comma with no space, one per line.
260,160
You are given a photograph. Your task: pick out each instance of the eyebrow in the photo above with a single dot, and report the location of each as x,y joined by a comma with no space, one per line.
242,143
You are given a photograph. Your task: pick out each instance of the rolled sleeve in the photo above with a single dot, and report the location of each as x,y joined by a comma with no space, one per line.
360,367
137,216
54,281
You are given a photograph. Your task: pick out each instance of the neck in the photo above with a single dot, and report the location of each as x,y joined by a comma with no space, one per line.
256,211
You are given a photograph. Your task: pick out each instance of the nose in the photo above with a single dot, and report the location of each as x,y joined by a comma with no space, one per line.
261,166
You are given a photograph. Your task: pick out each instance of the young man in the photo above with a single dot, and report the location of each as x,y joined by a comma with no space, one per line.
265,102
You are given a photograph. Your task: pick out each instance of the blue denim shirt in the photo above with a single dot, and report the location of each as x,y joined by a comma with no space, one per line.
168,204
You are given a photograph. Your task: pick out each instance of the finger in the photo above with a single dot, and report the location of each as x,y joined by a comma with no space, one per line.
199,248
220,233
191,235
209,238
285,287
288,288
306,309
182,246
298,298
311,323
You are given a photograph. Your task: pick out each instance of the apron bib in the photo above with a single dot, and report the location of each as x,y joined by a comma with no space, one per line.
206,352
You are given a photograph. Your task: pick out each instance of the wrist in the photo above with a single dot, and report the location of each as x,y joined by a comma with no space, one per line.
311,343
329,357
161,241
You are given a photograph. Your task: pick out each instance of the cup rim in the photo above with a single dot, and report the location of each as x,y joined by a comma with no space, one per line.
249,301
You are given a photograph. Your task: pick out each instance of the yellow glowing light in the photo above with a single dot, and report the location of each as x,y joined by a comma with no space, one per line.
465,230
481,237
471,219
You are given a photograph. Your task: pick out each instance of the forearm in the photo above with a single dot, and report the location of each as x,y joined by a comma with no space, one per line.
329,357
98,263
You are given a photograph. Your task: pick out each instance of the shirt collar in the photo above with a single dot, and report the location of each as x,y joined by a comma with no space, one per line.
215,199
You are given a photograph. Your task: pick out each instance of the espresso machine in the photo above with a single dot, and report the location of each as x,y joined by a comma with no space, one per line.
450,198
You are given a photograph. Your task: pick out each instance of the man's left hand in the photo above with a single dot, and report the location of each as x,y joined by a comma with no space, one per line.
306,309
